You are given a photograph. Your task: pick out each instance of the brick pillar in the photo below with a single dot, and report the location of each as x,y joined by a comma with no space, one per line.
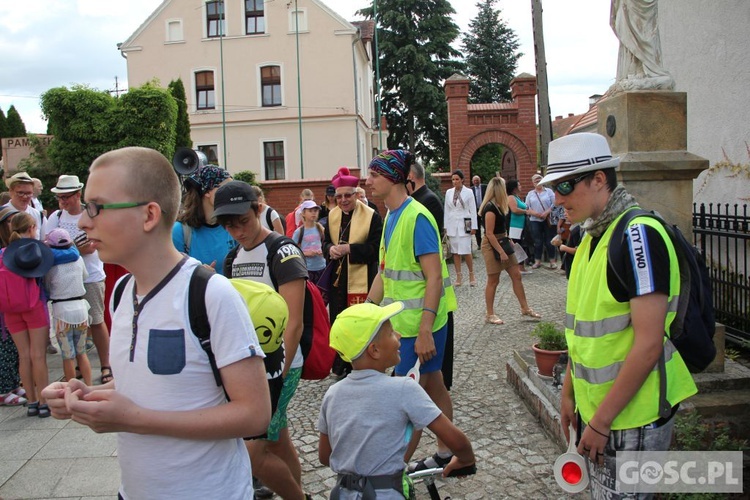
457,95
523,90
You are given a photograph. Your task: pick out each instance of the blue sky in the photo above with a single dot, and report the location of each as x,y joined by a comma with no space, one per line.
50,43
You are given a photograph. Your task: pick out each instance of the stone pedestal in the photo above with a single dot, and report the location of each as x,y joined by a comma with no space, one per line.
648,131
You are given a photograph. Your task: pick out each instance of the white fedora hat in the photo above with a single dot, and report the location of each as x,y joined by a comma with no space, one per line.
576,154
67,184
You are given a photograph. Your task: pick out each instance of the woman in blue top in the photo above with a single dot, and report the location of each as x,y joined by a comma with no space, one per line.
518,211
196,232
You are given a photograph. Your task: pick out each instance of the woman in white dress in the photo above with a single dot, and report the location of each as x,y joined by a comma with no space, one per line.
460,224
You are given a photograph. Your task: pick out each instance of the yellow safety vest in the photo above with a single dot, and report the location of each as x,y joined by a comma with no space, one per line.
402,275
600,335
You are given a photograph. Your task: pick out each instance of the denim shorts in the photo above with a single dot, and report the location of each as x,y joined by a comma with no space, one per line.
72,341
602,482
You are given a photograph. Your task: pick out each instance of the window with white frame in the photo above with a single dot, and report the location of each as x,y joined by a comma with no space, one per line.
273,159
255,20
298,15
216,24
270,83
205,95
174,30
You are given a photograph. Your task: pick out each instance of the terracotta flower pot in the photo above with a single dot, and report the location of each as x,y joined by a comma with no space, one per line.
545,360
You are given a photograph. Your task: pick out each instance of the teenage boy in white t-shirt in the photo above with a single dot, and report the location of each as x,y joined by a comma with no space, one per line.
178,436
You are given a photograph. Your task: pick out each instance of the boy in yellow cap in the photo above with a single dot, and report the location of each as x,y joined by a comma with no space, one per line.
366,420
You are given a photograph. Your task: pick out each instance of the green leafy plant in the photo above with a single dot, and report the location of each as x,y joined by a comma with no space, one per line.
550,337
245,176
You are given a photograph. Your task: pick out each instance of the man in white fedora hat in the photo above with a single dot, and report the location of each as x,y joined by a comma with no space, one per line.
615,329
21,188
68,194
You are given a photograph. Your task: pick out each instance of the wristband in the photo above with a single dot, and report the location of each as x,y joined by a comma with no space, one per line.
427,309
368,300
601,434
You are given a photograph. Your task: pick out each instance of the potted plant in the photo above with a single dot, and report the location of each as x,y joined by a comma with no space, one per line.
551,344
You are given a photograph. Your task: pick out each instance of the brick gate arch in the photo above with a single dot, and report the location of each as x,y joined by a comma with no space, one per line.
513,124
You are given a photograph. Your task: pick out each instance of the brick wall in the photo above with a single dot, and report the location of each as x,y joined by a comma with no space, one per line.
511,124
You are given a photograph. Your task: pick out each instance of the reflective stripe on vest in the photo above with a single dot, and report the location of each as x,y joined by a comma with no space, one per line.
600,336
403,278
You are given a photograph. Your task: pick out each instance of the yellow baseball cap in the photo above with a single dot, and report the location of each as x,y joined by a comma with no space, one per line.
357,325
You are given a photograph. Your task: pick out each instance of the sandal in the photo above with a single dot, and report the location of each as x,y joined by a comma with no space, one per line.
32,410
552,266
12,399
537,265
458,280
492,319
106,377
19,391
79,376
530,313
44,411
472,280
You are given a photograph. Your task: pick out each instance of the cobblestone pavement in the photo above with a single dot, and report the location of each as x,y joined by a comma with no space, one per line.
48,458
514,456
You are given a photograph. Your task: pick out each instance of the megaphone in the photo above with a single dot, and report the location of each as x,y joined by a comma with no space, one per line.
187,161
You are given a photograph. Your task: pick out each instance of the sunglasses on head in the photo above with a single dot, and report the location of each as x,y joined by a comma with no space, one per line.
567,187
344,195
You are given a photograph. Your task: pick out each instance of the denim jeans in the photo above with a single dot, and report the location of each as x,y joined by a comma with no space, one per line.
602,480
542,234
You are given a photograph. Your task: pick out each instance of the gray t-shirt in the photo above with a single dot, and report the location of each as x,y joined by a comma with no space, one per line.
368,418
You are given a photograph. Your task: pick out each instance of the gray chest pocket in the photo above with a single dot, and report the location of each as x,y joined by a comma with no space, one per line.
166,351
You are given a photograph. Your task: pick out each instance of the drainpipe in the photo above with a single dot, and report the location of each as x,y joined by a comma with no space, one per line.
357,39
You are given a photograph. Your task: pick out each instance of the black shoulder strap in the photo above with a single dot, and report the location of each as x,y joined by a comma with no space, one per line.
229,259
301,234
199,316
618,235
268,218
117,293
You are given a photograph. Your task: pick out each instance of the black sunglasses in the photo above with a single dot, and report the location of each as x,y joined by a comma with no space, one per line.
567,187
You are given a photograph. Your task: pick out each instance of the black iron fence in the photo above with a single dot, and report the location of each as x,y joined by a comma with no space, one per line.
722,232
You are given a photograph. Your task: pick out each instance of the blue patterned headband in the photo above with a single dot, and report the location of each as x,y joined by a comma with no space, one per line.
393,164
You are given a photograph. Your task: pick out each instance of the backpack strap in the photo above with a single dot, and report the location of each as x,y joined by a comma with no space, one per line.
269,222
229,260
199,315
187,236
119,289
301,234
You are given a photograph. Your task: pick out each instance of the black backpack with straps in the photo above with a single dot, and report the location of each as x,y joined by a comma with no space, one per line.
692,330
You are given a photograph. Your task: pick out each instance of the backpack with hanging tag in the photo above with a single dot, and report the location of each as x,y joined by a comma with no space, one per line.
316,326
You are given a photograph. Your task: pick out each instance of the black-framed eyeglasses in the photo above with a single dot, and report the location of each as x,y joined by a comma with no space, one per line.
93,209
567,187
344,195
65,197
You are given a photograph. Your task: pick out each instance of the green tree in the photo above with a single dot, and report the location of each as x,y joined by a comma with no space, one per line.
416,57
14,126
182,139
487,161
491,50
39,165
87,123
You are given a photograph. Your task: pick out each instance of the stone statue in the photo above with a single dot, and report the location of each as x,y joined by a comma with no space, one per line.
639,65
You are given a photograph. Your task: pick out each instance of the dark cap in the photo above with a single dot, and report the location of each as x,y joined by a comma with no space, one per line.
234,198
331,190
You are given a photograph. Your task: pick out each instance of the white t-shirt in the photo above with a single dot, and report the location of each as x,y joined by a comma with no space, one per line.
170,371
264,217
37,215
62,219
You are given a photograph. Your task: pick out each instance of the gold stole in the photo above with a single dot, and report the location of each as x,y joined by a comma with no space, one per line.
359,229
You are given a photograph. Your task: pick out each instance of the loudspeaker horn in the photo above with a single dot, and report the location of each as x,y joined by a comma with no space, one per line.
187,161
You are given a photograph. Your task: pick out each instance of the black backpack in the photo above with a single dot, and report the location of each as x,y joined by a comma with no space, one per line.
692,330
